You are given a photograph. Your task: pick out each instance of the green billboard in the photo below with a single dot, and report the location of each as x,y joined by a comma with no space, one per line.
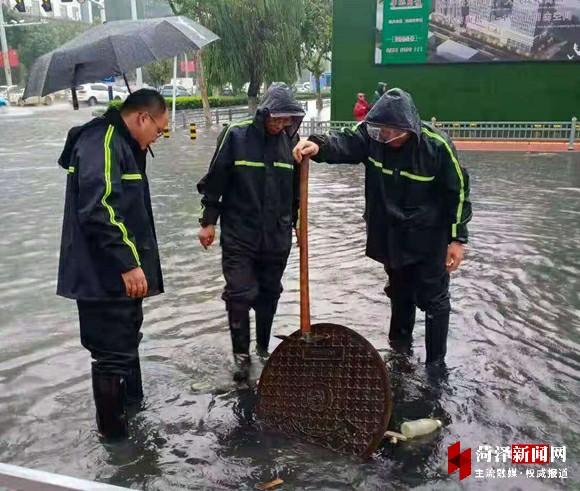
455,31
405,30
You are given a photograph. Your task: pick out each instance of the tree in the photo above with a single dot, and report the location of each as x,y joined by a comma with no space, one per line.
317,40
159,73
259,42
34,41
197,10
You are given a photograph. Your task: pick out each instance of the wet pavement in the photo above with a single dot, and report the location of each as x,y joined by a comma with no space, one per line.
514,348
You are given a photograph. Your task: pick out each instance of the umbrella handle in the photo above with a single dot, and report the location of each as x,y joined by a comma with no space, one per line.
126,82
75,99
303,244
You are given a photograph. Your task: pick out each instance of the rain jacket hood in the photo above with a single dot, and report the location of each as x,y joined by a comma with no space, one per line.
279,101
112,116
396,109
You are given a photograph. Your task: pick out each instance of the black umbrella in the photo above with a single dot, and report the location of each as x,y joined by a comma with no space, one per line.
114,48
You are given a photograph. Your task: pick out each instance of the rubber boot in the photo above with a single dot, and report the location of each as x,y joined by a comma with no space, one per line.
134,384
239,321
134,381
109,392
436,328
265,312
402,324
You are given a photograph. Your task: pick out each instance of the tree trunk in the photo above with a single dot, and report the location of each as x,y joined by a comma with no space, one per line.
253,89
318,94
201,82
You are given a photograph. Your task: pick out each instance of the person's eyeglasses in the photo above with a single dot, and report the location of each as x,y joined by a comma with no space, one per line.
159,130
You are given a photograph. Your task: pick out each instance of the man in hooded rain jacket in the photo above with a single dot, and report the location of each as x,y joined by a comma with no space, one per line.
252,188
417,210
109,260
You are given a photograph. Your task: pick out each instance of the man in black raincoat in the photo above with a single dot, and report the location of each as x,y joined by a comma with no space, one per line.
379,91
252,187
109,258
417,209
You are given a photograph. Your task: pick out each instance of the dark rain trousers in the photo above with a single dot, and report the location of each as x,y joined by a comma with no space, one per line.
425,285
253,280
110,330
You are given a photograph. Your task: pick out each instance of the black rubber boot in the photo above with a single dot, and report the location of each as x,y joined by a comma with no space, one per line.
436,328
133,379
402,324
242,370
265,312
109,392
239,321
134,385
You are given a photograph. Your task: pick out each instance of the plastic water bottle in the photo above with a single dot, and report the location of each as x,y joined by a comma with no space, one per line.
420,427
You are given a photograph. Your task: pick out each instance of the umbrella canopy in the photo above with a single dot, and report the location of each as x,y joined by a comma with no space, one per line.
113,49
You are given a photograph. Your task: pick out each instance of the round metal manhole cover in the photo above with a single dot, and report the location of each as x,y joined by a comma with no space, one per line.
333,391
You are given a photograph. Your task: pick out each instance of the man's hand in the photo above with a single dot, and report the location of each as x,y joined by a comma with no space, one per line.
206,235
455,252
135,283
305,148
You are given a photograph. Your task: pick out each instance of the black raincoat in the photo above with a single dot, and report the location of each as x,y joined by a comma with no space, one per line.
252,183
417,197
108,226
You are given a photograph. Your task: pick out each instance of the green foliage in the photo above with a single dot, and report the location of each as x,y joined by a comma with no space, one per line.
35,41
159,73
316,35
259,39
195,102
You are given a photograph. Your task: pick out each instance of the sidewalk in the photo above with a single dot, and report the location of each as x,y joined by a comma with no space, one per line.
513,146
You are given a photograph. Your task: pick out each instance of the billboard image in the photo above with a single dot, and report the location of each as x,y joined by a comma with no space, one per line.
459,31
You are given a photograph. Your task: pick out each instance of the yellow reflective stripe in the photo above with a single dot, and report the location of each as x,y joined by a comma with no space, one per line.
416,177
71,170
379,165
283,165
108,188
131,177
352,128
247,163
461,182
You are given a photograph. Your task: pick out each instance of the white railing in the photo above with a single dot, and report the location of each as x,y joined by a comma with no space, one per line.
13,477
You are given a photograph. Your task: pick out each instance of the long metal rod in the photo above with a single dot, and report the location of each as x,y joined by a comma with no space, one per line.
139,77
174,93
303,244
4,43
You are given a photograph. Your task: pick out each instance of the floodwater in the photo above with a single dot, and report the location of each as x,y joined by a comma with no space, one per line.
513,357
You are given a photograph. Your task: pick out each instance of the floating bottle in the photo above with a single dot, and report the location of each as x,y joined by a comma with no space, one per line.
419,427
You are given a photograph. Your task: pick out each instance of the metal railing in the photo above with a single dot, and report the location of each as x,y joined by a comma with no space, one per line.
511,130
219,115
564,131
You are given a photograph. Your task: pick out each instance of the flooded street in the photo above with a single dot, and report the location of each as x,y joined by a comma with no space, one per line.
513,352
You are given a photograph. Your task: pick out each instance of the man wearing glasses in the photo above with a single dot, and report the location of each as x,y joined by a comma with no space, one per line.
251,187
109,260
417,210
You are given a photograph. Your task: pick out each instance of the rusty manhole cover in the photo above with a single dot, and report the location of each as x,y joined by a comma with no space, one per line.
333,391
